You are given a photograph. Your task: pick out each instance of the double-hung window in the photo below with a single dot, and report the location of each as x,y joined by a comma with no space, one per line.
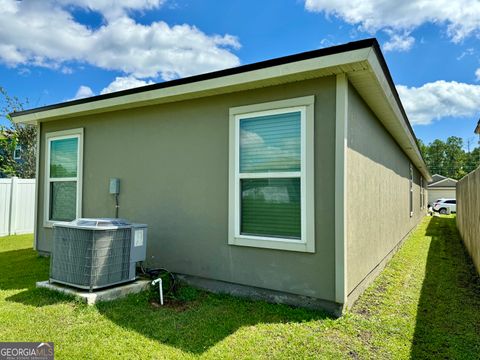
271,175
63,185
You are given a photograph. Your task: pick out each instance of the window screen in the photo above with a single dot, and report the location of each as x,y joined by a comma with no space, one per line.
270,166
63,178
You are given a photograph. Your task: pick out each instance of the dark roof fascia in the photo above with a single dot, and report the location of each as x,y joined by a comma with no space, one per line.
355,45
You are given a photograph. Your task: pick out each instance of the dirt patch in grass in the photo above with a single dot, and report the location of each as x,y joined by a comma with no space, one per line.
353,354
363,311
173,304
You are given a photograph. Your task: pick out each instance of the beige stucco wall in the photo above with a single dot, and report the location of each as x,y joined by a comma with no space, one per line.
378,210
172,160
468,214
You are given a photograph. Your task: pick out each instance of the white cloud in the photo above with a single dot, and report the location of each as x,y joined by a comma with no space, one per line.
328,42
66,70
122,83
113,8
439,99
462,17
477,74
44,33
399,42
467,52
83,92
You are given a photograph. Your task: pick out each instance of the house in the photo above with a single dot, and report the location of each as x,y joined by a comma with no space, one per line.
293,179
441,187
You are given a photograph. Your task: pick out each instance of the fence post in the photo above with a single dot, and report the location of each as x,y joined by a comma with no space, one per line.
13,206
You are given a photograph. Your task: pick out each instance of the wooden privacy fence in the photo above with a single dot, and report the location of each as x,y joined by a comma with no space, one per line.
17,206
468,214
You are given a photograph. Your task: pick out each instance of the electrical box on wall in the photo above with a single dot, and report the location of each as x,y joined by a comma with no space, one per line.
114,187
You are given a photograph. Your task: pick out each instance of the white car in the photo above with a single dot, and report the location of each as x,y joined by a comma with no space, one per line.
445,206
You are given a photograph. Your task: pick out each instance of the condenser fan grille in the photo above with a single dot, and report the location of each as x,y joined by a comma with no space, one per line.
92,257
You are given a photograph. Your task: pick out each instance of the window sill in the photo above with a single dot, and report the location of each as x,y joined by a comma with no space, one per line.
274,244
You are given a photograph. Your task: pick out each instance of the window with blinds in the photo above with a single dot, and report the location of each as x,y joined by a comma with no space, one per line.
271,149
270,165
63,175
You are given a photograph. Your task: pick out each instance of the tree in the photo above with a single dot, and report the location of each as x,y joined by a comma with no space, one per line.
472,160
454,158
7,147
449,158
436,157
16,134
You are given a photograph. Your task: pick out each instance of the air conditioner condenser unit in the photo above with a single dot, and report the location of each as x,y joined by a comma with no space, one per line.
96,253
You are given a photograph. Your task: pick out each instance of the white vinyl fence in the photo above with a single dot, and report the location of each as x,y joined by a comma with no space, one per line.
17,206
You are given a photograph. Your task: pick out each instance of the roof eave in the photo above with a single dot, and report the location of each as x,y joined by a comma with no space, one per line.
262,77
441,181
363,63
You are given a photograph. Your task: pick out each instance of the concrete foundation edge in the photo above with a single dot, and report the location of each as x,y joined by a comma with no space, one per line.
254,293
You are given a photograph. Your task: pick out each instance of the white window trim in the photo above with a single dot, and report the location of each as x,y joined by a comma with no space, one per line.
422,190
307,241
49,137
410,199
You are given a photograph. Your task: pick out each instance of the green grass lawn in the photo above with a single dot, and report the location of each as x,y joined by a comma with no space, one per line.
425,304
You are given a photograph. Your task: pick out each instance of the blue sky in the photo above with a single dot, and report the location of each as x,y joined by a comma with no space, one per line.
52,51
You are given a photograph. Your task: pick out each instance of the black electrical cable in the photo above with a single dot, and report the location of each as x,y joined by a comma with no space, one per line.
116,206
155,273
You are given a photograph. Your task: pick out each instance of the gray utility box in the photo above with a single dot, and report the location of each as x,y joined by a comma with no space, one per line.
96,253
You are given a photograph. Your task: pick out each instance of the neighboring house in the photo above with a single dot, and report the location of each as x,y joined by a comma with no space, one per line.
441,187
293,179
